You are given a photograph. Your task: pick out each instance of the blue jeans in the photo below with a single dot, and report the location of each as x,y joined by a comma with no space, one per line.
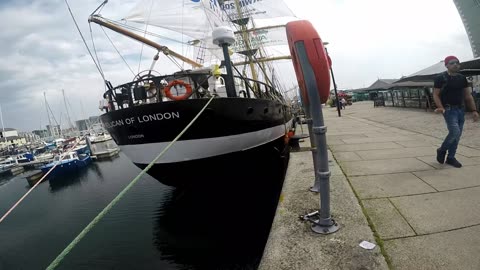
455,118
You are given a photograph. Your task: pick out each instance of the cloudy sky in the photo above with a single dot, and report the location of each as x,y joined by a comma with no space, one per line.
41,51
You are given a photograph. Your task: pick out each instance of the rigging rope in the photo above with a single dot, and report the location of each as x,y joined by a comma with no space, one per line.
95,49
82,234
144,35
125,61
174,61
81,35
36,184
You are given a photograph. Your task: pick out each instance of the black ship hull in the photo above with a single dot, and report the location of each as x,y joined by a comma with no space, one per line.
231,134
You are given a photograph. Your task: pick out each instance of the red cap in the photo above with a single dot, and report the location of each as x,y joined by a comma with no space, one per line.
450,58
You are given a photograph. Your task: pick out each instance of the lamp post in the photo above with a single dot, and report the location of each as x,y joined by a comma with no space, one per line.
337,103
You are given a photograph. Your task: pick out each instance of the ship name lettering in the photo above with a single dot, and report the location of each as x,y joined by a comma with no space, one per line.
115,123
158,117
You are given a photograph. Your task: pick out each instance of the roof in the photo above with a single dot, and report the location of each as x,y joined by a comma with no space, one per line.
8,129
380,84
470,67
11,138
412,84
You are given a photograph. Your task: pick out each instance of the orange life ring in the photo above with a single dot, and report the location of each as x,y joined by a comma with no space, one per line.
168,92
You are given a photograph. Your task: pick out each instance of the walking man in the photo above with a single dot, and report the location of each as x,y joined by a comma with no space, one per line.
344,103
452,94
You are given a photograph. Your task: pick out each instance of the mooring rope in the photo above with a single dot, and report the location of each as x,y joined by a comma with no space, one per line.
39,181
82,234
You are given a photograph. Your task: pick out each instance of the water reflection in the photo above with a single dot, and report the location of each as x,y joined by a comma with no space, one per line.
5,179
60,182
224,226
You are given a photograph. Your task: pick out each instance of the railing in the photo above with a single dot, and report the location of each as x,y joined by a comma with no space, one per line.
411,98
151,90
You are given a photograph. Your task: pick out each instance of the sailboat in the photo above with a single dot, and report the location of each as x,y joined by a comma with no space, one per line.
248,117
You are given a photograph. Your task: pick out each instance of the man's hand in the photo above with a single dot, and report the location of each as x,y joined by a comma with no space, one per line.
475,116
440,110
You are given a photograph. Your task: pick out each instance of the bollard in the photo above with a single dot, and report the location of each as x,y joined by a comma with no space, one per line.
312,70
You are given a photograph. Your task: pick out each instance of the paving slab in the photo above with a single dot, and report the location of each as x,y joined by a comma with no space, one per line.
416,143
347,156
379,139
364,146
389,185
441,211
292,244
380,134
468,152
345,136
334,141
432,161
426,138
367,167
396,153
467,176
343,132
387,220
457,249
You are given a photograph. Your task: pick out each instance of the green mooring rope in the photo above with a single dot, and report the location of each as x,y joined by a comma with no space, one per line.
77,239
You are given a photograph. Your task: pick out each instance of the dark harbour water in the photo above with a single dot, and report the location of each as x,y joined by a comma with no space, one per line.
220,226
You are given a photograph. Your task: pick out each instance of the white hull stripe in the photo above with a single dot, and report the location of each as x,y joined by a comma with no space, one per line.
202,148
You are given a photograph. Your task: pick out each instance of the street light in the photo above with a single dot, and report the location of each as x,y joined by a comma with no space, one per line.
333,79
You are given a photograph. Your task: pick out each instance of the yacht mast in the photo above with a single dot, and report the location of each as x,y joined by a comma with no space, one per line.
46,107
66,109
3,127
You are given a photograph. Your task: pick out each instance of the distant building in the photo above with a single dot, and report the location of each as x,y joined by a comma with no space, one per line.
29,136
469,11
9,136
82,124
92,124
42,133
8,132
94,119
54,130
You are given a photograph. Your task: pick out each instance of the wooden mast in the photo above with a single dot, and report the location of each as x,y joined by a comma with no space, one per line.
247,42
164,49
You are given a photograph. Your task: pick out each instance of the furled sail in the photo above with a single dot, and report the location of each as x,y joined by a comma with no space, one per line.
192,18
196,17
256,9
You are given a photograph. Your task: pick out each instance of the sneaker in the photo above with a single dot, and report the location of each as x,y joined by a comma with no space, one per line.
441,156
454,162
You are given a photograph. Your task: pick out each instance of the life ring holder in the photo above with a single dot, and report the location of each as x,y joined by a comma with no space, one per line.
168,92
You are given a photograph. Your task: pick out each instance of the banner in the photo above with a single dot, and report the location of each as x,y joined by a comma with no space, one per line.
260,38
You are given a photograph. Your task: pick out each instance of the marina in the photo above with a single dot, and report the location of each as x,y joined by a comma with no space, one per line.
154,226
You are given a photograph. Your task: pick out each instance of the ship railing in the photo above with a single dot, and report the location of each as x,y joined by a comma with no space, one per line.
151,90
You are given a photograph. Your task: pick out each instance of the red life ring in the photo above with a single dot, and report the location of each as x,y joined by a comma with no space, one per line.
168,92
303,32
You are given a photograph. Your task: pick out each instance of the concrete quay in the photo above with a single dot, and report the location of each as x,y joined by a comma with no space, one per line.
386,188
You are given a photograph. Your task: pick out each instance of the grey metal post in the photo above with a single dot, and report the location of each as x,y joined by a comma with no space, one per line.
325,224
316,184
334,88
